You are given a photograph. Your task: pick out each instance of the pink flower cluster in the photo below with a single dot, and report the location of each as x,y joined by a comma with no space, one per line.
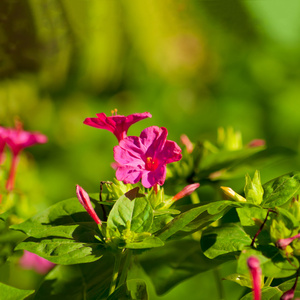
17,139
139,158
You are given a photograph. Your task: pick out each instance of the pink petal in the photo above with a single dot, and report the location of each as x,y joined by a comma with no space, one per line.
153,138
171,152
158,176
129,174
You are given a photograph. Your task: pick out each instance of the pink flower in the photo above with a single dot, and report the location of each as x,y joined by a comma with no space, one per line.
3,134
145,157
117,124
187,143
255,270
85,201
33,261
186,191
283,243
17,140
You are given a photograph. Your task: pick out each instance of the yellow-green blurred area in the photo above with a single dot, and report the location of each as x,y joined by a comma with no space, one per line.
195,65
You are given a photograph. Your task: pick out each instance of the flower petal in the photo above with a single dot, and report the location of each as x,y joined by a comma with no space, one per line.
150,178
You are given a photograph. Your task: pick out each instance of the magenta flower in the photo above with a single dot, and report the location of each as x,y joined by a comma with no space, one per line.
145,157
33,261
17,140
85,201
117,124
3,134
255,270
283,243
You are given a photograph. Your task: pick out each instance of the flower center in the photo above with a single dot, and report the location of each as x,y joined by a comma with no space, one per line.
151,163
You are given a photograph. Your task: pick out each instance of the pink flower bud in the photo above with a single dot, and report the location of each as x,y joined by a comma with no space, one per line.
85,201
256,143
186,191
187,143
255,271
283,243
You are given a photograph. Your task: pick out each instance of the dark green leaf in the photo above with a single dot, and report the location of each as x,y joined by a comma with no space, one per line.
202,215
272,263
88,281
175,262
133,289
281,189
11,293
226,240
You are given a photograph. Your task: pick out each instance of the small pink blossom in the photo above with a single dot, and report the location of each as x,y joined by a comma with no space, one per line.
117,124
17,139
85,201
283,243
255,270
3,135
145,157
33,261
186,191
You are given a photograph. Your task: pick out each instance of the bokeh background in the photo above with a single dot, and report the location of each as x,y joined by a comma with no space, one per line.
195,65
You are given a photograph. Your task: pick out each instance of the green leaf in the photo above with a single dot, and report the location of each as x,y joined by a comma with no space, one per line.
175,262
241,279
149,242
253,189
65,251
281,189
267,293
63,219
272,263
225,241
137,212
202,215
11,293
133,289
77,282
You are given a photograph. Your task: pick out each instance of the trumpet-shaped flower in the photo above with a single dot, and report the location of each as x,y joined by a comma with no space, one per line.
117,124
145,157
33,261
17,140
255,270
85,201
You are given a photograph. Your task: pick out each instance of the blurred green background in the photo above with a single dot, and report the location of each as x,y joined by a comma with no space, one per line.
194,65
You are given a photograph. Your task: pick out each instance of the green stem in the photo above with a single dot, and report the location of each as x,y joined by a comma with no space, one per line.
125,267
268,281
220,288
194,197
115,273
